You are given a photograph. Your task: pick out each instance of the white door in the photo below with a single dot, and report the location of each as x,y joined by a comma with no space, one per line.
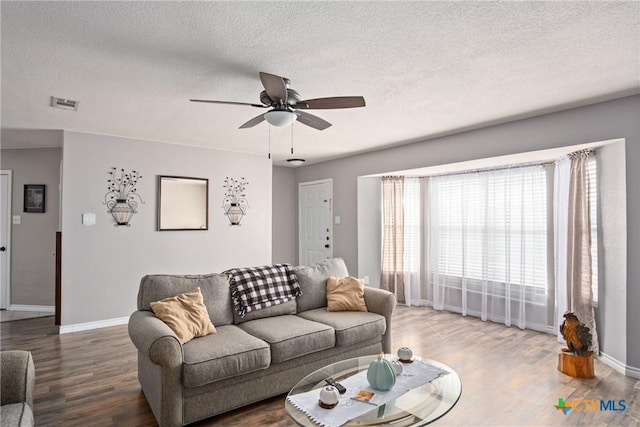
5,230
315,232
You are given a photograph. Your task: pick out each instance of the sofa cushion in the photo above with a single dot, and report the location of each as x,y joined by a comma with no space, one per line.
227,353
185,314
345,294
351,326
214,288
291,336
312,280
288,307
16,414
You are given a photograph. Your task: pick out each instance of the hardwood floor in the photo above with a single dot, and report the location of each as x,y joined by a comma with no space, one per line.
509,376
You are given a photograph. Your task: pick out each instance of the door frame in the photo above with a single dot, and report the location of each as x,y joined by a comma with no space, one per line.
303,184
6,291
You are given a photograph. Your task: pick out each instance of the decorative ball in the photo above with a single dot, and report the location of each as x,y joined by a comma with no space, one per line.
329,397
380,374
397,367
405,354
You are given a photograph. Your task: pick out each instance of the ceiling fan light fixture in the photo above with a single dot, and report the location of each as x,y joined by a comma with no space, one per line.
280,118
295,162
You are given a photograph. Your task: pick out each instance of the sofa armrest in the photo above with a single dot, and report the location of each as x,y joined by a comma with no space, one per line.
381,302
154,339
17,376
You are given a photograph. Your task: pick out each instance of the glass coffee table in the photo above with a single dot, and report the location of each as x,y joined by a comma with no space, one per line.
419,406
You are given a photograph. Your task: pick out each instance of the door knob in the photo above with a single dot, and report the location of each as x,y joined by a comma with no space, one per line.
326,246
2,249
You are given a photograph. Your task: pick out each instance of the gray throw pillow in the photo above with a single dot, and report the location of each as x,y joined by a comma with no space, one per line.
313,282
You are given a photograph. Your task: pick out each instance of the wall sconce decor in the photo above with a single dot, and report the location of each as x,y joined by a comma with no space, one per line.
234,203
122,198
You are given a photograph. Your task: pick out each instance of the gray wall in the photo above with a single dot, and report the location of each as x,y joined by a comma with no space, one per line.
612,251
285,197
369,229
597,122
33,241
102,265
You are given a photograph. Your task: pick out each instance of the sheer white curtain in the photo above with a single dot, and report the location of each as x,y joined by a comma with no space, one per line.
488,245
578,254
560,224
412,241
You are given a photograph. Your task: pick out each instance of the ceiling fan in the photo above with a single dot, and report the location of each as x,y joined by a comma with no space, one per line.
286,105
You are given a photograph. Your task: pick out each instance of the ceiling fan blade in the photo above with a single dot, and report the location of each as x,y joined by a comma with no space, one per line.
251,123
228,102
274,86
312,121
330,103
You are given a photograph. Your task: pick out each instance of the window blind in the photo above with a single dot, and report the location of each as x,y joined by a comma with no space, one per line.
491,226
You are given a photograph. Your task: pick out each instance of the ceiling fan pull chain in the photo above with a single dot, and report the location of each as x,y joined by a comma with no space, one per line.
269,141
291,138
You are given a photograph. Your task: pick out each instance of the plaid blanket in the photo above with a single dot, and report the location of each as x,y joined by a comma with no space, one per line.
254,288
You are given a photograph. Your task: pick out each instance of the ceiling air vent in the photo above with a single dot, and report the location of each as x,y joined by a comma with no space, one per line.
65,104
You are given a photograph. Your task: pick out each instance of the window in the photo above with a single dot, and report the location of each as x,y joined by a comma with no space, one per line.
476,243
488,244
492,226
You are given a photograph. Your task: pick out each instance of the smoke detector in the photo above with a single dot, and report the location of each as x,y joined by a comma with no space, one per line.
65,104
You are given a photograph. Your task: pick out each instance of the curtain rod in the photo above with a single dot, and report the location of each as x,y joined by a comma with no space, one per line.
589,151
487,169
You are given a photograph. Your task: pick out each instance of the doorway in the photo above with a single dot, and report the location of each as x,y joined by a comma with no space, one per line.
315,232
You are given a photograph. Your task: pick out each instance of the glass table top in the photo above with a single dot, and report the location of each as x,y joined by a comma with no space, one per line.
419,406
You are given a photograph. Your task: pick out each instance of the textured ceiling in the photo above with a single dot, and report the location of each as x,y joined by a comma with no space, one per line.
424,68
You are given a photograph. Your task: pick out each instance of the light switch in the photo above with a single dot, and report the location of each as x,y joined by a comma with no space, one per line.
336,220
17,219
365,280
88,219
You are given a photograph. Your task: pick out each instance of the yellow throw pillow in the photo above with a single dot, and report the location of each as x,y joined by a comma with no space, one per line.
185,314
345,294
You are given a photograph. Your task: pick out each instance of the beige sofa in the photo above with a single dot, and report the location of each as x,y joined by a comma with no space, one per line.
248,359
17,379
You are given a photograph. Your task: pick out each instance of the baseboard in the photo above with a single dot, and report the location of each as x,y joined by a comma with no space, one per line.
624,369
66,329
38,308
633,372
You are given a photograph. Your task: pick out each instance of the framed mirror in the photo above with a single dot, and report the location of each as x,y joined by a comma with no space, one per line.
183,203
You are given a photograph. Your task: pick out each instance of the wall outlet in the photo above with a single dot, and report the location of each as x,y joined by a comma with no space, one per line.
365,279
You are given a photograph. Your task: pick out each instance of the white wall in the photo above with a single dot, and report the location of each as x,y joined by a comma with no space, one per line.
102,265
33,241
285,222
597,122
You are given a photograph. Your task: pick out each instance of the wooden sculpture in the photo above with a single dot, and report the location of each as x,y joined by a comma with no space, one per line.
576,360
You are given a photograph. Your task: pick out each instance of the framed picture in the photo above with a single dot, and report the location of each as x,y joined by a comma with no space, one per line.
34,197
